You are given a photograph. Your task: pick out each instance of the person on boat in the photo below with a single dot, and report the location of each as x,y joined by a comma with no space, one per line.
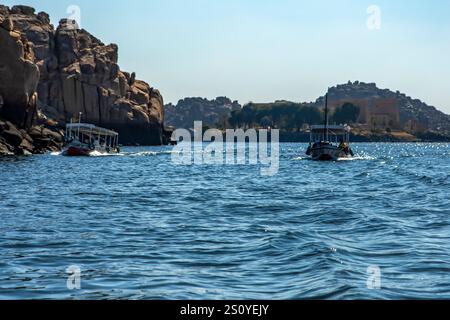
343,145
308,151
346,148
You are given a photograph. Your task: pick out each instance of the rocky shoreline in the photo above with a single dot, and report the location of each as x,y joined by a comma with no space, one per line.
35,140
49,75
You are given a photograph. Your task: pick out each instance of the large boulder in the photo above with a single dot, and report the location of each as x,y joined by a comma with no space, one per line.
37,139
79,73
4,11
12,135
25,10
19,76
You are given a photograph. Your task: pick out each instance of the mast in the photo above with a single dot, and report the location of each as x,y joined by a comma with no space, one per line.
79,124
325,127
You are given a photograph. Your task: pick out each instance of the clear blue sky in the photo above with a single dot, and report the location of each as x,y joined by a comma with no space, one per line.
263,50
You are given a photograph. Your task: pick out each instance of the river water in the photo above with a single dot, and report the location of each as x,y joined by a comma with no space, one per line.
137,226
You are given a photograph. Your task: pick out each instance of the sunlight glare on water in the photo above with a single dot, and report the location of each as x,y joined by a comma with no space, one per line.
140,227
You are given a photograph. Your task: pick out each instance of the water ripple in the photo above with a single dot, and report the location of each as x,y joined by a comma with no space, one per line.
142,228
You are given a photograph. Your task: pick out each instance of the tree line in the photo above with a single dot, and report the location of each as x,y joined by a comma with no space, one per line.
289,116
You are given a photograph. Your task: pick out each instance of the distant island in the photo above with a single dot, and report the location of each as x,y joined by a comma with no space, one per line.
212,113
49,76
374,114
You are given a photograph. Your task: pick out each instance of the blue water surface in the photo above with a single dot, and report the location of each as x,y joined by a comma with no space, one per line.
140,227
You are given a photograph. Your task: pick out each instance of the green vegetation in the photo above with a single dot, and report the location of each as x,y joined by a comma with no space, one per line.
348,113
288,116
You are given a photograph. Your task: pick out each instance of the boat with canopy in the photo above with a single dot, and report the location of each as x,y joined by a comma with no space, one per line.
329,142
83,139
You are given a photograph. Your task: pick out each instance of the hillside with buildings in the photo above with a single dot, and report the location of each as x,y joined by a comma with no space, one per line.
374,114
383,109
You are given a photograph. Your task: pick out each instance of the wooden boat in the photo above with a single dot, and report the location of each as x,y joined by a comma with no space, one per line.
83,139
329,142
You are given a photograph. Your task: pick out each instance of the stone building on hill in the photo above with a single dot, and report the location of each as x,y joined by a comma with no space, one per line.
376,113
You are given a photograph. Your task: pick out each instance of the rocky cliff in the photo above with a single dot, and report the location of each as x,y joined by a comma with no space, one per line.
79,73
211,112
19,77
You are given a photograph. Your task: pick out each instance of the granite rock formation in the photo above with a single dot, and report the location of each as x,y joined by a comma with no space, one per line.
79,73
19,77
211,112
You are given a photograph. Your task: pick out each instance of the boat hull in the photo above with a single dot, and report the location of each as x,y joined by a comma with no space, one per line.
77,152
328,153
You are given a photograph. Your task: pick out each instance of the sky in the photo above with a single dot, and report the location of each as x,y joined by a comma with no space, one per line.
266,50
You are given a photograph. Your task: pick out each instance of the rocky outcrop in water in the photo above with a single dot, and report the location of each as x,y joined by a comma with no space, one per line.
211,112
79,73
37,139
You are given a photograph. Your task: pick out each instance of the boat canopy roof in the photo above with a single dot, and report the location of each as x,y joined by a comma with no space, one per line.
334,128
89,129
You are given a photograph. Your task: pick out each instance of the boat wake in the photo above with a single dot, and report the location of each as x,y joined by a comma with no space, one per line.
147,153
356,158
103,154
91,154
301,158
123,154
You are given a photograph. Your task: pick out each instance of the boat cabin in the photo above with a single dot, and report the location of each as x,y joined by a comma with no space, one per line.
330,134
90,135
